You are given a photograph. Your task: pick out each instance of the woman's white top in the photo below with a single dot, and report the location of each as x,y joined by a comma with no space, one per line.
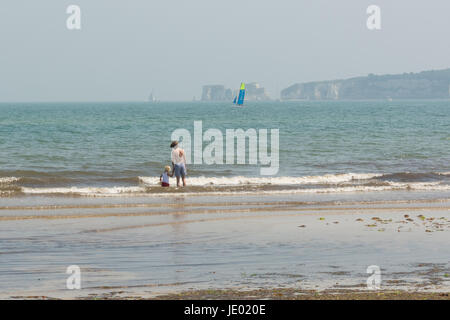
178,156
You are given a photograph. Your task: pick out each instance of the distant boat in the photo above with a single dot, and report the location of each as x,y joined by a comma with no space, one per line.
239,101
152,98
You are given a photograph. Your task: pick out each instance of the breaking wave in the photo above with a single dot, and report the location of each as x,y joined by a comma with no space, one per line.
141,186
288,181
8,180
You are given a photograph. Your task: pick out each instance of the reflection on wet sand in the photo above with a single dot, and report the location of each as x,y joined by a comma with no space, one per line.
146,249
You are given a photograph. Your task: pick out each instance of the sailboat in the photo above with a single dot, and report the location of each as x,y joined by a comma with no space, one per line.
152,98
239,101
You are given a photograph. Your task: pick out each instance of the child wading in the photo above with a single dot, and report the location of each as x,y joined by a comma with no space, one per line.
164,178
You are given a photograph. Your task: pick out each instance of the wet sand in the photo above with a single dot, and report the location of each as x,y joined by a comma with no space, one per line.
228,247
270,294
295,294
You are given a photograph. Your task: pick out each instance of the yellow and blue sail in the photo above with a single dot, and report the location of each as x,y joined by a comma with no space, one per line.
240,100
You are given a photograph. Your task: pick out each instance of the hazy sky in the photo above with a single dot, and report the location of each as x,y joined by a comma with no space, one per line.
127,48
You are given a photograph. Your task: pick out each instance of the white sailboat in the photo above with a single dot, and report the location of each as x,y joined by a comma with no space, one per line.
152,98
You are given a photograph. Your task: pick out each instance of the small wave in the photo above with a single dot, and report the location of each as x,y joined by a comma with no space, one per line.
85,191
138,186
64,181
286,181
8,180
51,181
224,190
398,187
414,176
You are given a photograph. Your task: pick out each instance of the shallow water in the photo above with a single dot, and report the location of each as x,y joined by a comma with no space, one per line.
79,185
325,146
153,247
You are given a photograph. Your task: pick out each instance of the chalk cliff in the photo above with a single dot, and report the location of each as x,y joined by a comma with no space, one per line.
253,92
433,84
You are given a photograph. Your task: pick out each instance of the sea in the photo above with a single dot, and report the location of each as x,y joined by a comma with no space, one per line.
121,148
359,184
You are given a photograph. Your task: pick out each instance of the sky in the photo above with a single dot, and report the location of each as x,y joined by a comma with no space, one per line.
126,49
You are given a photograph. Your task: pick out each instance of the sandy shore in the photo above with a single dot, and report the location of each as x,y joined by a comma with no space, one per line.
293,294
273,294
231,248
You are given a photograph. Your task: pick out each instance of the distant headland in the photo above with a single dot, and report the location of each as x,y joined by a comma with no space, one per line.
434,84
254,92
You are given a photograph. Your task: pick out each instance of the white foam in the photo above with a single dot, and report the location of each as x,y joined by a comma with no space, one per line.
330,183
432,186
241,180
7,180
85,190
141,191
348,189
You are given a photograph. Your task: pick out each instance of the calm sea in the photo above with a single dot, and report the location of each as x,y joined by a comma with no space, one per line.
122,148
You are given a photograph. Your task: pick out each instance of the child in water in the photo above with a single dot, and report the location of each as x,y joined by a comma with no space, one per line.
164,178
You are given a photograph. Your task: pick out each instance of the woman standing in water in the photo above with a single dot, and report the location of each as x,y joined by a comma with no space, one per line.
178,163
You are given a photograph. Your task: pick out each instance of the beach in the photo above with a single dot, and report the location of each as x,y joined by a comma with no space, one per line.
361,185
224,150
198,246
